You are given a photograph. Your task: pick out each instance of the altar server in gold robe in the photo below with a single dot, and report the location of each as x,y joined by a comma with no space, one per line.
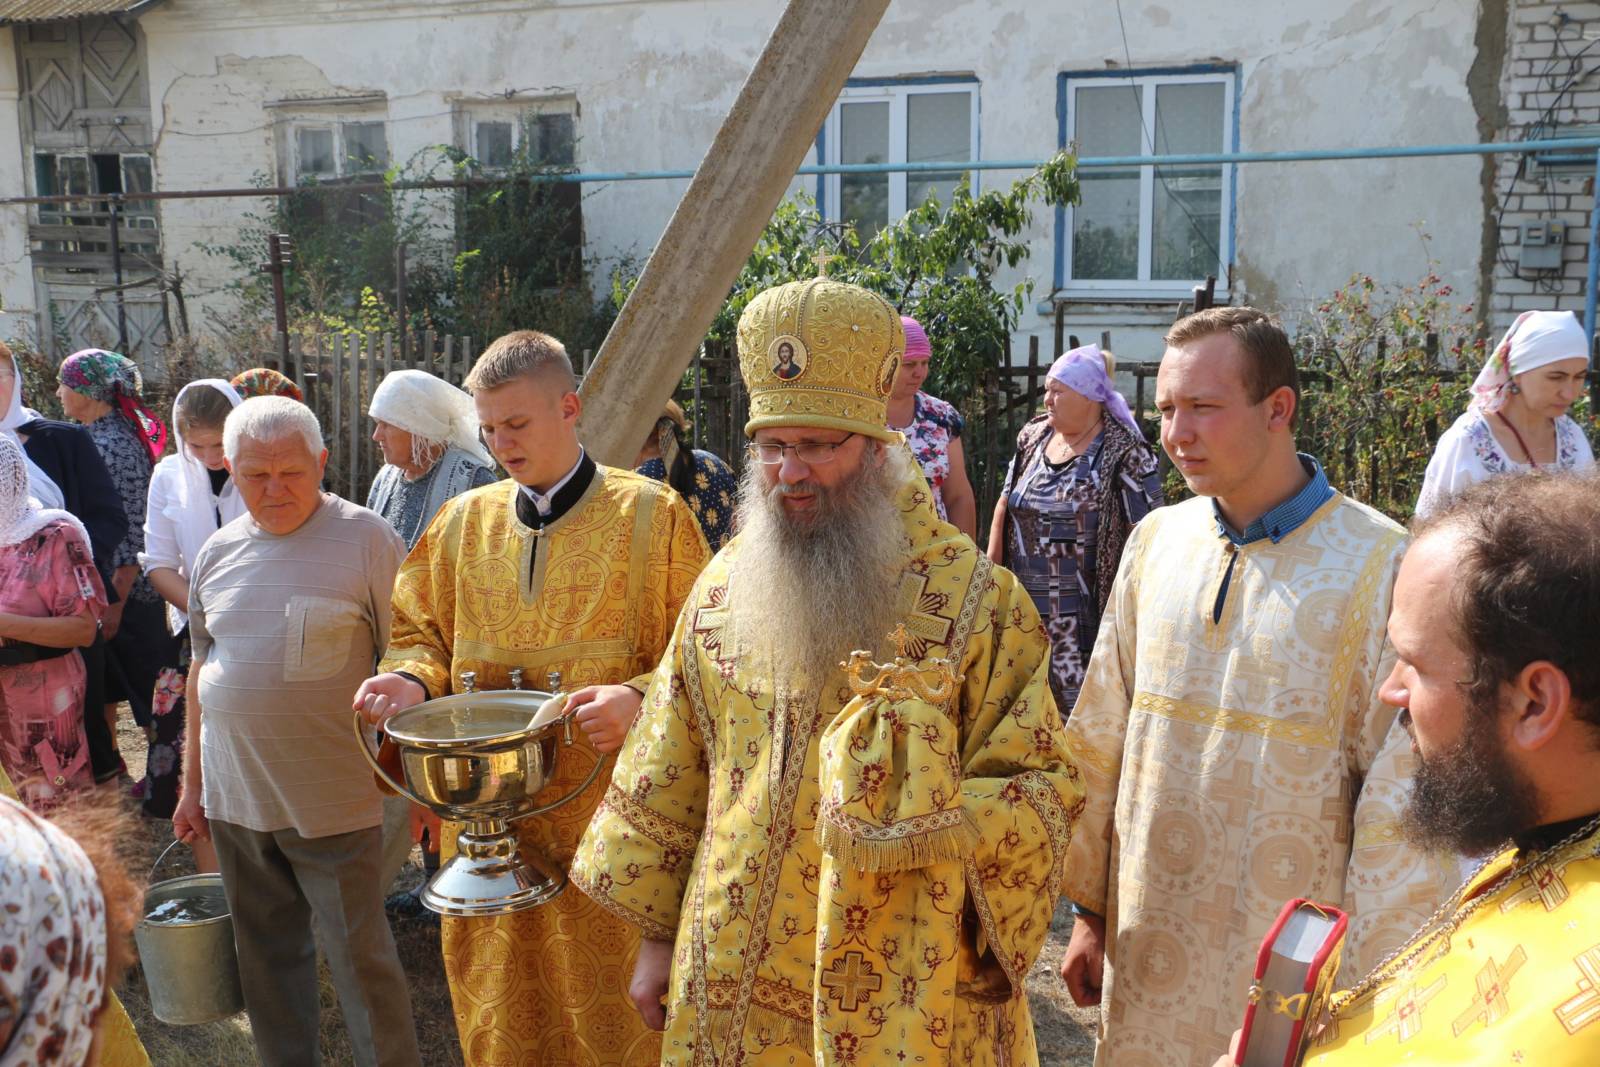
832,866
1497,625
1236,752
567,567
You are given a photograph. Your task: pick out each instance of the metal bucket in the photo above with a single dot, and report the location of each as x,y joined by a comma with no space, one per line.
191,967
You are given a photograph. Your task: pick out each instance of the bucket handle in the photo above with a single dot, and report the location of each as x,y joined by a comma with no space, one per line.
153,867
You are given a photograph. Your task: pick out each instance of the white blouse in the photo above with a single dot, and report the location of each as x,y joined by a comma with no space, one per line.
1468,453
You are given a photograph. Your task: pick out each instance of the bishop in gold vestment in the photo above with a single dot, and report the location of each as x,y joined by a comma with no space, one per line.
592,595
851,872
1236,759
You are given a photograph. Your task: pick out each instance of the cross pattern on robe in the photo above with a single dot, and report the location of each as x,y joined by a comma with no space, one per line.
919,613
1284,867
1583,1009
850,979
1239,793
564,601
1491,1005
1258,671
1286,559
1221,916
1336,812
710,619
1543,882
1405,1021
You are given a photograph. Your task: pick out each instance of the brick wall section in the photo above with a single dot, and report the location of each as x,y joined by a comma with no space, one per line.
1542,58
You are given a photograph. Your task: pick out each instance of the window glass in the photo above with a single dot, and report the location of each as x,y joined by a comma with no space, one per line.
314,152
557,141
1187,228
864,138
1105,224
493,148
365,147
938,128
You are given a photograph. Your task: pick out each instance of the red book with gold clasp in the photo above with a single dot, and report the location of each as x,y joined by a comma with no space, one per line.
1295,969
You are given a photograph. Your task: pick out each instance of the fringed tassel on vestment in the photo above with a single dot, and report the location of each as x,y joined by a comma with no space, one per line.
768,1026
917,848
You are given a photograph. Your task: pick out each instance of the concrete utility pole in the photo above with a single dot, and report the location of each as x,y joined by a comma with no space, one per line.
740,182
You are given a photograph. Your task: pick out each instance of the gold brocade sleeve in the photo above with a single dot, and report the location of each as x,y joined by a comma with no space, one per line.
1099,725
424,604
1020,787
634,859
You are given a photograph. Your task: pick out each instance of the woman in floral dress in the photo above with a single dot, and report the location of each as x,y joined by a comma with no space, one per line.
933,431
51,601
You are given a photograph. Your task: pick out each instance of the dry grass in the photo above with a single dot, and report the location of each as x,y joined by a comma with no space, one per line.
1065,1032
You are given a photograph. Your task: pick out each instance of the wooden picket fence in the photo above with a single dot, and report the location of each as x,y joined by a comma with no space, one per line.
338,372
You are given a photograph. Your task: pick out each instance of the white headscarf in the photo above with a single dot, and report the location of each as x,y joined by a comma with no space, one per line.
44,489
430,408
1537,338
20,514
192,509
55,923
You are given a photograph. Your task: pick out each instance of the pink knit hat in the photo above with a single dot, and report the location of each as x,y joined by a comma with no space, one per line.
917,347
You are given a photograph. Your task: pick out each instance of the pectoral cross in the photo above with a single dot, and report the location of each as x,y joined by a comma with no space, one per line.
1491,1005
850,979
1583,1009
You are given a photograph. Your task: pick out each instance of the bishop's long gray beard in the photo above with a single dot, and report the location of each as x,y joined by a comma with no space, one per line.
803,596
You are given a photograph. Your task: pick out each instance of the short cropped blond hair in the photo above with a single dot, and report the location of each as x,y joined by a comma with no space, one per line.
522,353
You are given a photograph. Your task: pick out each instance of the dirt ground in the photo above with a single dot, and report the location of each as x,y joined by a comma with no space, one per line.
1065,1032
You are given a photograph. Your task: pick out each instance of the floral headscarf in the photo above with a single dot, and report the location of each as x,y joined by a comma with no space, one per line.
115,380
53,940
264,381
1535,339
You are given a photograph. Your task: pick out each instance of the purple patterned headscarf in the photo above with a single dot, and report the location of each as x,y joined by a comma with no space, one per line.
1083,370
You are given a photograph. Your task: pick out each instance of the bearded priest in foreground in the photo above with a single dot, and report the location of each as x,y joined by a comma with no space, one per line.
830,865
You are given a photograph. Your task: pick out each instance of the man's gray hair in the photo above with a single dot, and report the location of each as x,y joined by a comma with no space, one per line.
270,418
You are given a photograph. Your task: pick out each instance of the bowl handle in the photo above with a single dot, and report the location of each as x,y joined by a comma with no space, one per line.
581,786
361,743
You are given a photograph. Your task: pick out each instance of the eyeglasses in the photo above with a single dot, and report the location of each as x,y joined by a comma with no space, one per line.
811,453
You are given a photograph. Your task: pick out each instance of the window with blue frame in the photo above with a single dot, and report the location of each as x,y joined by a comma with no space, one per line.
914,120
1146,229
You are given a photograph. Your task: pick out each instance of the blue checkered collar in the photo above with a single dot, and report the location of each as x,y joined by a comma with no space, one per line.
1287,517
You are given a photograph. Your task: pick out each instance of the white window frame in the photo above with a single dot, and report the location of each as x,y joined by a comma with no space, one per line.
896,94
1144,285
334,124
472,114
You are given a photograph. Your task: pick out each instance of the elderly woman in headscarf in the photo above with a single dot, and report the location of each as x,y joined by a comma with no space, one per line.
1517,420
427,430
191,497
51,601
933,432
1082,475
264,381
702,478
102,391
65,471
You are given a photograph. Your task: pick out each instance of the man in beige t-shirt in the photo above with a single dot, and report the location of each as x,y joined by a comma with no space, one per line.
288,612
